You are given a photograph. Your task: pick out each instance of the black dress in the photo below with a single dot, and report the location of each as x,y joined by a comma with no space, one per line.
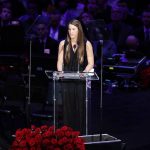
74,93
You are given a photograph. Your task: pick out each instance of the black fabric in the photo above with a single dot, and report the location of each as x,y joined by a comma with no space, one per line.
74,95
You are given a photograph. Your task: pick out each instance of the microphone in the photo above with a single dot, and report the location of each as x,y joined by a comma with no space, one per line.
75,47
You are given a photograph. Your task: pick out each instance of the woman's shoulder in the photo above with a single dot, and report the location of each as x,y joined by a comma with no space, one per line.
88,42
62,42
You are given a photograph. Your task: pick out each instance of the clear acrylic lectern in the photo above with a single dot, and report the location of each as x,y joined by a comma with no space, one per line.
87,76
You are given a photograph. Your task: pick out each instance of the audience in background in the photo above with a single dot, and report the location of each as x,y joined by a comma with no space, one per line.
62,6
30,16
85,17
80,6
119,30
104,10
47,9
104,49
11,33
6,15
143,33
128,15
56,31
122,17
43,45
132,47
70,13
92,7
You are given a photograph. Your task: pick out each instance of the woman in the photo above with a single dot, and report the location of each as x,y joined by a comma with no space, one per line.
75,54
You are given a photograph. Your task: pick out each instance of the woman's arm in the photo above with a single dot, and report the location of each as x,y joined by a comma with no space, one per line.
60,56
90,57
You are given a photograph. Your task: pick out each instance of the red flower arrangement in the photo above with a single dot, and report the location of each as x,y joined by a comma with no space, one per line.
144,77
44,138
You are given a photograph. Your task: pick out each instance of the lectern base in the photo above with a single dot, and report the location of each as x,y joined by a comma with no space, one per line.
93,142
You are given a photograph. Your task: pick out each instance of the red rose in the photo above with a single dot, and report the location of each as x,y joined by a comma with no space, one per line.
44,127
25,131
45,138
28,138
38,130
53,141
68,147
51,128
32,134
33,127
32,142
38,138
63,141
19,133
15,144
64,128
18,139
48,134
68,133
75,133
78,140
59,133
22,143
70,129
46,142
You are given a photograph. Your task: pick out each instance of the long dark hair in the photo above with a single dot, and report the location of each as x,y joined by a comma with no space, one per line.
80,42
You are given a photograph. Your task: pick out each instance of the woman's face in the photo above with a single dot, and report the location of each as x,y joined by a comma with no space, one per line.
73,31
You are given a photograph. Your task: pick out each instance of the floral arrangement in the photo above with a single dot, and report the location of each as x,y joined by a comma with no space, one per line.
47,138
144,77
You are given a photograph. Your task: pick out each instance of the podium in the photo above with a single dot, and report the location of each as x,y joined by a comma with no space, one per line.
86,76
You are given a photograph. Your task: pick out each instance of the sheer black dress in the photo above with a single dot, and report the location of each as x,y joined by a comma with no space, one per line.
74,92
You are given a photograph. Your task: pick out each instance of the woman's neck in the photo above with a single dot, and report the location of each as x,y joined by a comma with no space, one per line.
73,41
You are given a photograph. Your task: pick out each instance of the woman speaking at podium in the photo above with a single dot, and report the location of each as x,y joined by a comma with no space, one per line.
76,55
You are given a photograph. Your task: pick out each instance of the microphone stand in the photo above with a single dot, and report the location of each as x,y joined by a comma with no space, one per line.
101,91
28,105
